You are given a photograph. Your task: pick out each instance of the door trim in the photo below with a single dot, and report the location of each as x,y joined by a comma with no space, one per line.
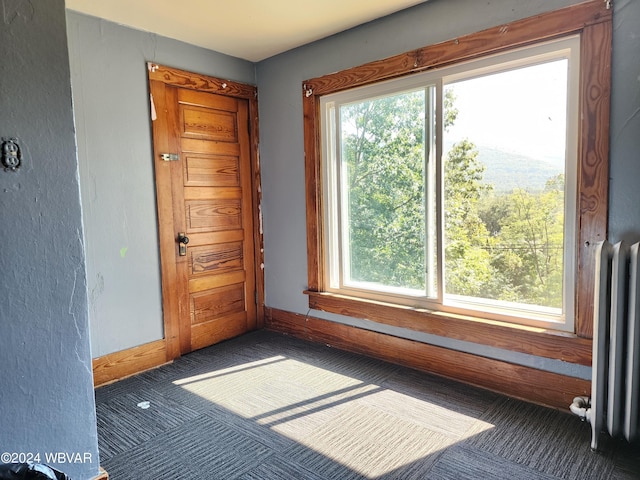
180,78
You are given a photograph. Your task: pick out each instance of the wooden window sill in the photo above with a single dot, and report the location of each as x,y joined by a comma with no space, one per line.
540,342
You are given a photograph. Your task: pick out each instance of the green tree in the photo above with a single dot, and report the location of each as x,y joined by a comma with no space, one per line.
383,148
468,267
526,239
502,246
533,229
450,110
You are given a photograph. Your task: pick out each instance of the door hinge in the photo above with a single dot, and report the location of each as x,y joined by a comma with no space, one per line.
170,157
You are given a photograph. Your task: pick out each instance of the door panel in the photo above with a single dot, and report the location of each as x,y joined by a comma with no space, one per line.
201,170
217,303
210,185
215,281
218,258
213,215
214,125
226,327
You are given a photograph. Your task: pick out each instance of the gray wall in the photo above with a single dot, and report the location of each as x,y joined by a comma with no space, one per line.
281,135
111,102
624,190
46,387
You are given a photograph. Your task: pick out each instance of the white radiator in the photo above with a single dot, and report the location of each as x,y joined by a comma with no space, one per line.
615,384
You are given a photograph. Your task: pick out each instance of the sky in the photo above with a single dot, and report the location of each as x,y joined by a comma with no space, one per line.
521,111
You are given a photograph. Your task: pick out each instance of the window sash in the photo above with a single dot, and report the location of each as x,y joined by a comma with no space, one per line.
434,297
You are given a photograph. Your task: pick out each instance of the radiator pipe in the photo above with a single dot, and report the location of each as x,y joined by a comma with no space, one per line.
581,407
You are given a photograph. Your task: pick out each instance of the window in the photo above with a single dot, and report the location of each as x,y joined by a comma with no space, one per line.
422,198
498,138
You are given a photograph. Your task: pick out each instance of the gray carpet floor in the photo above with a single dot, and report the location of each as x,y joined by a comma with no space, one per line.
269,407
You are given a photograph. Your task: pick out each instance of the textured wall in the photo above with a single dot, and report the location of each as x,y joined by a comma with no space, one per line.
46,387
281,136
111,103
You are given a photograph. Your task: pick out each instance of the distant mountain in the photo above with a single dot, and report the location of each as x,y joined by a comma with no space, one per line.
506,171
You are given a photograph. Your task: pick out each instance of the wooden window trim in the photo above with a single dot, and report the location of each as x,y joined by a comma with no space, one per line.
593,21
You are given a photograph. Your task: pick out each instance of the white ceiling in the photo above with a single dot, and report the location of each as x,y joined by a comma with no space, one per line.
248,29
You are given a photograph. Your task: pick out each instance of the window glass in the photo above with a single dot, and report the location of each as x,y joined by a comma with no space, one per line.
383,190
504,186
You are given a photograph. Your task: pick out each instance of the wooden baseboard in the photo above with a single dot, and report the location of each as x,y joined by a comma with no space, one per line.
103,475
118,365
526,383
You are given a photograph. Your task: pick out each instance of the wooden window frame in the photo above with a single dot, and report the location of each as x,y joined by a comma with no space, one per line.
593,22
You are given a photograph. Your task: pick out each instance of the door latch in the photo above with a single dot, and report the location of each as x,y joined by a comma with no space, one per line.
182,244
170,157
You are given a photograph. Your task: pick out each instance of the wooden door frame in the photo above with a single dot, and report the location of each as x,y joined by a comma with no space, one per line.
163,174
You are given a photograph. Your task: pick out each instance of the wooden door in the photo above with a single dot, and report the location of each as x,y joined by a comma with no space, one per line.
204,184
